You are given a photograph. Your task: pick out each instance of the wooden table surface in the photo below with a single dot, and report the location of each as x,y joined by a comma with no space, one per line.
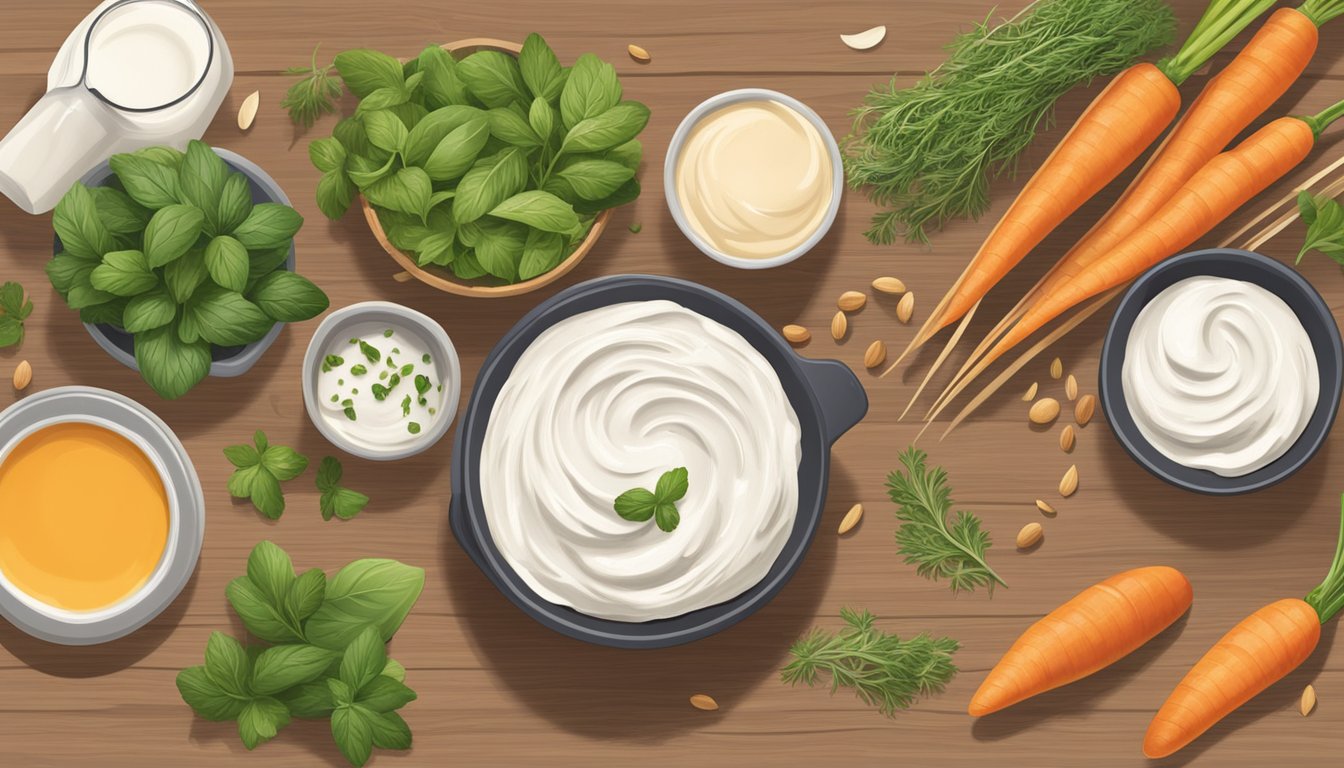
496,688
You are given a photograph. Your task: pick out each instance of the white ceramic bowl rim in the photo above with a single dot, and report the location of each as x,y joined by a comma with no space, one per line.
714,103
384,313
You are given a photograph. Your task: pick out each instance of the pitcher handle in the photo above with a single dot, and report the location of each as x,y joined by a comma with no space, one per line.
61,138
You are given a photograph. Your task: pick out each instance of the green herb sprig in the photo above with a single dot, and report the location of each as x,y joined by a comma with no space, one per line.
260,468
939,548
314,94
640,504
1324,218
15,307
883,670
326,658
337,500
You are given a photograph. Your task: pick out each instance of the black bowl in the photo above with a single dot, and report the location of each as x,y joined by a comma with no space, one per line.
1278,279
825,394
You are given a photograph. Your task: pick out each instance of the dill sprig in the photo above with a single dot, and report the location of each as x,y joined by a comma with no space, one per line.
884,670
927,152
938,548
314,95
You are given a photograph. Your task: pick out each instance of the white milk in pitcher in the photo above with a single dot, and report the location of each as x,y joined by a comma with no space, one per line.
147,54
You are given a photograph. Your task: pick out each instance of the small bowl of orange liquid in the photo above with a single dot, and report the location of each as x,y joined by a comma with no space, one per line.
101,515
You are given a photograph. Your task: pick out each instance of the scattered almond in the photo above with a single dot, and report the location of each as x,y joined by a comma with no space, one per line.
796,334
1308,701
1056,368
23,375
906,307
851,301
1030,535
875,355
851,519
1044,411
862,41
1071,387
248,112
839,324
403,277
1068,484
1045,508
638,53
1030,394
1082,413
888,285
705,702
1066,439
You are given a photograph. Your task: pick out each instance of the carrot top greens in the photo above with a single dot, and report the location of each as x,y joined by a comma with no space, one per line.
1328,597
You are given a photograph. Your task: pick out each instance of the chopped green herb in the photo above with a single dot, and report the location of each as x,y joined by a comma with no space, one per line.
421,384
433,411
423,402
382,375
347,402
332,361
337,500
379,392
440,386
407,369
406,406
260,468
354,390
335,398
370,351
387,334
354,341
390,362
640,504
340,382
413,428
358,370
636,227
396,350
425,358
350,413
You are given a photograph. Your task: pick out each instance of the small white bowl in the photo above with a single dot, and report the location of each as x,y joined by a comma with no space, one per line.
674,153
338,324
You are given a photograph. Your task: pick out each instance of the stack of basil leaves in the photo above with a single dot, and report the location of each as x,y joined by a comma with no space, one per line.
179,256
489,166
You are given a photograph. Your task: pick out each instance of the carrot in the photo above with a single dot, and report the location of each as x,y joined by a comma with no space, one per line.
1252,656
1099,626
1121,122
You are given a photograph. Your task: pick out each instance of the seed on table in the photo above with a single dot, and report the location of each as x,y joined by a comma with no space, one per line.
906,307
1071,387
1082,412
1066,438
839,324
851,519
638,53
875,355
796,334
1044,411
889,285
1308,702
23,375
1056,368
704,701
1068,484
248,111
1045,508
851,301
1030,394
1030,535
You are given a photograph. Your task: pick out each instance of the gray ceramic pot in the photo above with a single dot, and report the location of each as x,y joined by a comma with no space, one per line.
225,361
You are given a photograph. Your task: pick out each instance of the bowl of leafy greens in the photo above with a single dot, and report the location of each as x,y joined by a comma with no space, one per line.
180,264
483,167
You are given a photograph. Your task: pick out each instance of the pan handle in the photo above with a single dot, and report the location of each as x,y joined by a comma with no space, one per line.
843,400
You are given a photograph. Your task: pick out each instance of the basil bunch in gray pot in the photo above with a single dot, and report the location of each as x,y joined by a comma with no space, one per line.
169,251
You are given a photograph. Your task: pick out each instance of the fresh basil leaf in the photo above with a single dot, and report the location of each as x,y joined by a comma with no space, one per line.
186,328
335,193
636,504
383,694
149,310
327,154
342,502
666,517
494,78
109,313
200,181
438,248
542,252
171,231
286,666
341,693
260,720
363,660
234,204
119,214
289,298
123,273
366,171
609,129
390,731
512,128
386,130
592,88
538,209
430,132
11,331
672,485
241,481
185,274
353,734
350,132
407,190
540,69
441,85
269,567
226,318
226,261
371,591
595,179
329,473
82,294
628,192
1324,218
491,181
149,183
286,464
458,150
466,266
309,700
260,616
628,154
268,225
242,456
394,670
365,71
166,156
77,223
500,248
541,117
264,262
267,496
65,268
205,697
410,115
305,594
226,664
169,366
384,98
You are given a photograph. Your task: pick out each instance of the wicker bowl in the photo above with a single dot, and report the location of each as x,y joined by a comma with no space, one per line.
481,288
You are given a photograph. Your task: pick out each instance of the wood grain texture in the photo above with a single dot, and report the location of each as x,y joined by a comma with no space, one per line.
496,688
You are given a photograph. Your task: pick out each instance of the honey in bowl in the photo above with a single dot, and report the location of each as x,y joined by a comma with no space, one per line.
83,517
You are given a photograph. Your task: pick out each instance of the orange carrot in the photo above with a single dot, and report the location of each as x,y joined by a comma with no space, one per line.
1098,627
1252,656
1121,122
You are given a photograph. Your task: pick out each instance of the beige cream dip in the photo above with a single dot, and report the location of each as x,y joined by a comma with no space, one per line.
754,179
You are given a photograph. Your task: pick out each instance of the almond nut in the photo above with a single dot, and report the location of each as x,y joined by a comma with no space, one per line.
1045,508
796,334
1308,702
1071,387
851,519
1068,484
1044,411
1030,393
888,285
1066,439
638,53
1030,535
1082,412
248,112
704,701
23,375
875,355
851,301
1056,368
839,325
906,307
